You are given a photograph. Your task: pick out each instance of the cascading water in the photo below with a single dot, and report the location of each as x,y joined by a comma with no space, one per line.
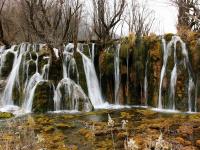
73,95
117,74
172,88
13,77
165,57
190,88
127,76
146,84
30,91
92,82
166,53
93,51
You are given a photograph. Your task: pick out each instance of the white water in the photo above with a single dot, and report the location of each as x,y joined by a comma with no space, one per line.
173,80
93,51
13,77
127,77
165,57
191,87
172,88
117,74
146,84
73,93
30,91
94,91
196,94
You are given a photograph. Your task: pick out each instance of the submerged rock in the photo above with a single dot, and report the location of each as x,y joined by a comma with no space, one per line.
6,115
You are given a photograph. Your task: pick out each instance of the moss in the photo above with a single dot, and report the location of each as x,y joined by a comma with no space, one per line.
43,98
86,50
82,77
168,36
106,61
127,44
49,129
63,126
33,55
6,115
7,67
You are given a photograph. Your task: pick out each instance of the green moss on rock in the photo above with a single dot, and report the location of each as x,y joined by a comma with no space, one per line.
7,67
6,115
82,77
43,98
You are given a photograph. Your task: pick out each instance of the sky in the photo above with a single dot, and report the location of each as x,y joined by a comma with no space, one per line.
166,14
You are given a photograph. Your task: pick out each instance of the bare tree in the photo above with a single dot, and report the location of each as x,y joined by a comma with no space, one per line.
188,14
140,18
49,21
106,15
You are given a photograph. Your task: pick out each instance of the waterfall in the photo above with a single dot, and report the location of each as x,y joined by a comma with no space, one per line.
166,53
127,76
173,82
146,84
92,82
73,94
71,97
13,77
165,57
93,51
117,74
196,94
30,91
190,88
172,88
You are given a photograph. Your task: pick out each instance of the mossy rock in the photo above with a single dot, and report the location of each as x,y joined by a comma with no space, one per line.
56,71
86,50
70,98
168,36
127,44
17,95
43,98
82,77
33,55
6,115
106,61
8,64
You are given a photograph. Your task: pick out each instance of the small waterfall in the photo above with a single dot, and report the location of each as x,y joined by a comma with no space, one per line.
71,97
127,76
30,91
45,70
172,87
173,82
146,84
166,53
13,77
117,74
196,94
190,88
92,82
165,57
93,51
